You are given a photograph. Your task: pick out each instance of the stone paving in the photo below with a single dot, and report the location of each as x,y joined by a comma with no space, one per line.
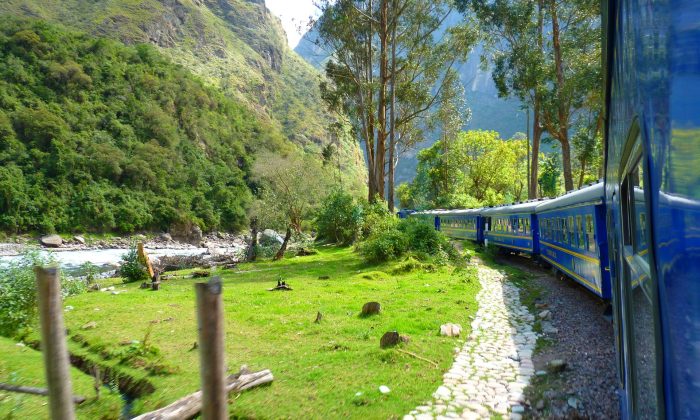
495,363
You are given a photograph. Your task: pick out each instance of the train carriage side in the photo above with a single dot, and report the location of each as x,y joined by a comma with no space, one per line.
512,227
573,238
461,224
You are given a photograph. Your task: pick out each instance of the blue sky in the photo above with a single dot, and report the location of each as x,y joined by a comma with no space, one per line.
293,13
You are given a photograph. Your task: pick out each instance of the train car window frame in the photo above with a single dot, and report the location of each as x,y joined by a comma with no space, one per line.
639,284
590,233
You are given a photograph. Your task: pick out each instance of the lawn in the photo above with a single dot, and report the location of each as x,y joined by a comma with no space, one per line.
24,366
331,369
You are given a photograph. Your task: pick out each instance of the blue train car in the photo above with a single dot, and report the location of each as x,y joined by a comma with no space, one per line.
512,227
428,216
652,195
404,213
462,224
573,237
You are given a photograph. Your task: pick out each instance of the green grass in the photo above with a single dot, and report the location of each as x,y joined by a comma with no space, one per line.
24,366
318,368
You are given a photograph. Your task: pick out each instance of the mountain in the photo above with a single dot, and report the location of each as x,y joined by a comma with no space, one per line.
99,136
488,111
235,45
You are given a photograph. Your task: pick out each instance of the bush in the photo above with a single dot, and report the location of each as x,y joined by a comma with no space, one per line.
339,219
18,298
376,218
384,246
397,237
132,269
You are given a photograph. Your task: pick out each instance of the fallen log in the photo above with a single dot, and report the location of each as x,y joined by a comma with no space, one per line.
189,406
77,399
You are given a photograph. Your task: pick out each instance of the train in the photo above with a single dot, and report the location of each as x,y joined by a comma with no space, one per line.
634,238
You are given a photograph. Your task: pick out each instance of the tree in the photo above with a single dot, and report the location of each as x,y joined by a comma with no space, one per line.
549,178
558,77
387,44
291,189
482,170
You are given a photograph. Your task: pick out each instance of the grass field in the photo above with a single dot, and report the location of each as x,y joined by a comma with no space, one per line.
24,366
332,369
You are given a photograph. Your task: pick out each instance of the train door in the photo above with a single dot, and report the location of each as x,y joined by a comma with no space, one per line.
638,289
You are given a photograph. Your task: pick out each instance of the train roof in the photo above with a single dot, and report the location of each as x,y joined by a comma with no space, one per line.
462,212
526,207
587,195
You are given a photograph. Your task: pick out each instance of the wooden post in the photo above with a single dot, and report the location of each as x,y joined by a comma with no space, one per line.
53,343
143,257
212,368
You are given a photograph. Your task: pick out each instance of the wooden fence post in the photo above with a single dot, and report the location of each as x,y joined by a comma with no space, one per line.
212,367
53,343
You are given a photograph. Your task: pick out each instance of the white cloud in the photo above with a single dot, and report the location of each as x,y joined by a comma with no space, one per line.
294,14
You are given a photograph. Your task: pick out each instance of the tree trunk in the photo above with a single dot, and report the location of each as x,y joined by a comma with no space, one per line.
252,248
536,123
535,158
392,117
371,165
562,106
283,248
380,149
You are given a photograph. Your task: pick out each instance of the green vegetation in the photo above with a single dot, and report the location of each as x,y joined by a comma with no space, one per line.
98,136
473,169
20,365
319,368
131,268
18,299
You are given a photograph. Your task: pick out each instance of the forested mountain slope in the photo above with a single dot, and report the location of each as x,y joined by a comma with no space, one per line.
95,135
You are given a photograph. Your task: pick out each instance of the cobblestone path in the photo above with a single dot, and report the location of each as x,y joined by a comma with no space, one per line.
495,363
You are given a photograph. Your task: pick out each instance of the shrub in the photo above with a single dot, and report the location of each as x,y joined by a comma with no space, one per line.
376,217
385,245
339,219
18,298
396,237
132,269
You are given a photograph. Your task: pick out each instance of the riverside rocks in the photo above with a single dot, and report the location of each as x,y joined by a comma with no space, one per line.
494,365
51,241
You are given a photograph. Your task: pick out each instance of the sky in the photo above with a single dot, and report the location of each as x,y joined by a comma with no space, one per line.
294,13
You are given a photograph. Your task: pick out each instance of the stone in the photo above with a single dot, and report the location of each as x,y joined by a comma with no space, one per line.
517,409
51,241
389,339
556,365
187,232
546,314
88,326
79,239
573,402
384,389
442,392
165,237
270,237
516,416
371,308
539,405
450,330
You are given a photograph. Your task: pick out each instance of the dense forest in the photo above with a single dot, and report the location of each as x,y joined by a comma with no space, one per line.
98,136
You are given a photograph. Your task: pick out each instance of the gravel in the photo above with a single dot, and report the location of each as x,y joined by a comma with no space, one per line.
578,334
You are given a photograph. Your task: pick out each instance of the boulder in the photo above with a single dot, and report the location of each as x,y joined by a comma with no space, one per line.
79,239
165,237
371,308
187,232
51,241
450,330
389,339
269,237
556,365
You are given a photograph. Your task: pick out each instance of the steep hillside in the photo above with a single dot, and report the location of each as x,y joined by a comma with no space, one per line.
98,136
489,112
236,45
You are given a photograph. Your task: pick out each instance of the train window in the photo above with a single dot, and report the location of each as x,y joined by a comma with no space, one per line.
570,224
561,232
565,231
640,292
579,232
590,237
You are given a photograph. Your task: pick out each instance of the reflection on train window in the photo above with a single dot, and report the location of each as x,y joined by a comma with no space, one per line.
579,232
641,294
590,238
